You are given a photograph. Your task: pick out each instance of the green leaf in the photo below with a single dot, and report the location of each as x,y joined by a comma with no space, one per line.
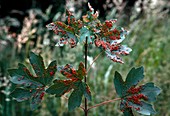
44,76
128,112
36,99
132,97
134,77
75,99
70,18
33,86
143,108
119,84
150,91
73,81
21,94
34,95
85,33
81,72
69,72
37,64
60,87
86,91
67,32
50,72
22,76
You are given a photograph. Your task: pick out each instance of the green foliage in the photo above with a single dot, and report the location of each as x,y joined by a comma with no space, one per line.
85,33
106,35
134,77
59,88
75,99
86,91
22,76
151,91
133,97
44,76
73,81
21,94
36,99
32,87
119,86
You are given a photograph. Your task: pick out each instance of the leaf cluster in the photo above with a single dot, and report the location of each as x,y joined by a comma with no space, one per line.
106,35
34,87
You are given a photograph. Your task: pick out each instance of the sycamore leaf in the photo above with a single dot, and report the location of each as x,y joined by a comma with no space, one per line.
114,57
73,81
67,32
23,77
143,108
114,52
119,84
21,94
132,97
37,64
32,87
70,17
134,77
111,40
86,91
75,99
44,76
150,90
36,99
71,73
73,76
106,35
128,112
139,98
85,33
34,95
60,87
90,16
81,72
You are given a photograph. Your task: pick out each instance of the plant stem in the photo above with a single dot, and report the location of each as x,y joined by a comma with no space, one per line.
102,103
85,79
94,61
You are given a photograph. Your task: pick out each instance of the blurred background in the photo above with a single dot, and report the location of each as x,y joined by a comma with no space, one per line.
22,29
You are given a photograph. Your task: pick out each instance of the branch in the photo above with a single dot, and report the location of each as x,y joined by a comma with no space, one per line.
94,61
103,103
82,107
85,78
